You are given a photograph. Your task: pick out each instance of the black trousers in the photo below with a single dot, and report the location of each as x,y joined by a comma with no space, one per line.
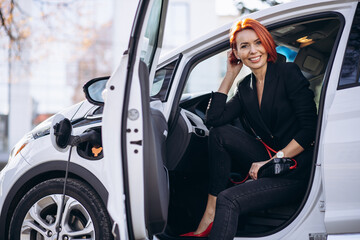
228,144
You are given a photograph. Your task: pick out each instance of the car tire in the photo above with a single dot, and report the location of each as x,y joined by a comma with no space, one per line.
85,215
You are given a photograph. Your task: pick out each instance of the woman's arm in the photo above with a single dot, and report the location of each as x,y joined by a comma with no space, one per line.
218,111
290,151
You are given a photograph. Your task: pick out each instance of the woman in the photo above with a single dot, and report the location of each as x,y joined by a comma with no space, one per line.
278,106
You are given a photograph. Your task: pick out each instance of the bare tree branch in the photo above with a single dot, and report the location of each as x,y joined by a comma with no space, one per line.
7,27
241,6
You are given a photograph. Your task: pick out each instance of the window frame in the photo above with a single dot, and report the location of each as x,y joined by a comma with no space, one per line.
167,87
155,33
356,21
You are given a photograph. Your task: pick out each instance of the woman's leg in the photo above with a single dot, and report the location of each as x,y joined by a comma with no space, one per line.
255,195
208,216
227,143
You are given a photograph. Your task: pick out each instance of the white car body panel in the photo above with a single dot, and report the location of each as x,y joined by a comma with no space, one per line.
341,147
37,152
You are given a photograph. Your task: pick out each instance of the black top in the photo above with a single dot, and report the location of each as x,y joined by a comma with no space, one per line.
287,110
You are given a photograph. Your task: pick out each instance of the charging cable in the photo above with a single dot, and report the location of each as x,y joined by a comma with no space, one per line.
58,227
62,132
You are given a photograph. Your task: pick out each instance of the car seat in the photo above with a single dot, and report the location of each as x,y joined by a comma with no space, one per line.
312,64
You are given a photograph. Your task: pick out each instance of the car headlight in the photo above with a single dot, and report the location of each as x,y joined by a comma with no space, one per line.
42,129
41,132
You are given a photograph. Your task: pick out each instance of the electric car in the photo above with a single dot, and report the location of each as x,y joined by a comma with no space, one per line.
131,161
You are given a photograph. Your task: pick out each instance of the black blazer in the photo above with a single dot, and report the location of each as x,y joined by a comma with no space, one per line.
287,110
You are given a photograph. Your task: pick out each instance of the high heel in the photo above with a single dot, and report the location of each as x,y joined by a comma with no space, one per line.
205,233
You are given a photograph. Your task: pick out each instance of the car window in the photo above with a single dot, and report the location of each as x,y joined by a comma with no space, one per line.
350,71
309,44
162,81
208,74
149,43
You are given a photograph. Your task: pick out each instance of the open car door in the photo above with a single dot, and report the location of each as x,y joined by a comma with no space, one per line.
134,135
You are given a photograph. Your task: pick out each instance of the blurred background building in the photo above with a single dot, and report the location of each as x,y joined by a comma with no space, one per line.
50,48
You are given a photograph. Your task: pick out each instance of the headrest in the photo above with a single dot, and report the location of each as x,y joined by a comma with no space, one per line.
310,61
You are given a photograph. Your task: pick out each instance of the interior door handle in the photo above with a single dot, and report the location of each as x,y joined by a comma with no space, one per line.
200,132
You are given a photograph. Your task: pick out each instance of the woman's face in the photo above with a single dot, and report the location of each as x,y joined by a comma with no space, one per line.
250,50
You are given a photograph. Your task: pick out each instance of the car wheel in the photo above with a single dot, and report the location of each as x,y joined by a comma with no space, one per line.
37,214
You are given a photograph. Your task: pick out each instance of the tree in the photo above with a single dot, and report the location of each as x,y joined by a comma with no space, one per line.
14,25
34,34
244,8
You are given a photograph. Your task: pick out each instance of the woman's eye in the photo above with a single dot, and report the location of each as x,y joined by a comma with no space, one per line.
243,46
258,43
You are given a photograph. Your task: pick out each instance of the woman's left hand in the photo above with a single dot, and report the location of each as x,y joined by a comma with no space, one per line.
255,168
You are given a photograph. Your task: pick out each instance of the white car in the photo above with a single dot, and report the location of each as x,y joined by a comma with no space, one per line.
150,180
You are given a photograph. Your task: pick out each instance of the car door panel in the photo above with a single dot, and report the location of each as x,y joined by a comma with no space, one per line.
129,133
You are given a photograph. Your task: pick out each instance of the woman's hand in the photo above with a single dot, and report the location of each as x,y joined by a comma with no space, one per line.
255,168
232,70
233,65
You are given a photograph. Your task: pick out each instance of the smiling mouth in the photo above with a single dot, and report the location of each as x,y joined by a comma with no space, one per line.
255,59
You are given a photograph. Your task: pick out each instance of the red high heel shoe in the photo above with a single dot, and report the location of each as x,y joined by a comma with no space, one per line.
205,233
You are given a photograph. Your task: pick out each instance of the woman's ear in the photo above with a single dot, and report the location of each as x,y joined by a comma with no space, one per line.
233,58
235,53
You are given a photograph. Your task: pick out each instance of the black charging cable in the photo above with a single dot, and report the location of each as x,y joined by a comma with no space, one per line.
62,131
58,227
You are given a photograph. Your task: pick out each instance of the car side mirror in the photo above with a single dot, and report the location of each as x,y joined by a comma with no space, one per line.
93,90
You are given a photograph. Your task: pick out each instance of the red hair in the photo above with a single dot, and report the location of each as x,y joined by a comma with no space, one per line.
265,37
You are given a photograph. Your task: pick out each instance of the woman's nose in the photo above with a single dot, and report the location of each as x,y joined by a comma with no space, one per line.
253,48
